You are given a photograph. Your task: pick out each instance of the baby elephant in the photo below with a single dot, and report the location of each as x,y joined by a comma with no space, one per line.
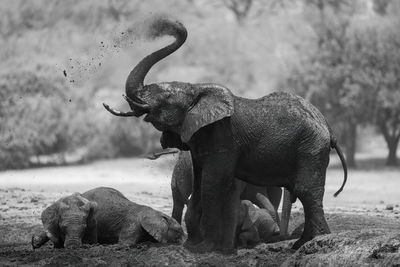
256,225
104,215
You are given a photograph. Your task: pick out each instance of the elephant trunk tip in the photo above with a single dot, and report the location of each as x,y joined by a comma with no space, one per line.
72,244
33,243
40,240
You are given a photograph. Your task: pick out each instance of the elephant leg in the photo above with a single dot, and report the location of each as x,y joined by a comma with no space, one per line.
181,184
194,210
230,206
177,209
310,191
274,195
286,210
220,203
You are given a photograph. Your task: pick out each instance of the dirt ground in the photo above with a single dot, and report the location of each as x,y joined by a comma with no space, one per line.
364,219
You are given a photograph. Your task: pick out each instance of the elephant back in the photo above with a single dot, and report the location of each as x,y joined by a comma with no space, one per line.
112,208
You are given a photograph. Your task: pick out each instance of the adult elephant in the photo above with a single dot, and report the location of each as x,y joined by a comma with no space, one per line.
181,187
277,140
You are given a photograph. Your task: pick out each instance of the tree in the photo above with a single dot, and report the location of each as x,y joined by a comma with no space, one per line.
38,116
326,78
354,79
381,64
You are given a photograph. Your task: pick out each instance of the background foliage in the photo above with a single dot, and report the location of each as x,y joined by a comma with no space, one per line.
60,59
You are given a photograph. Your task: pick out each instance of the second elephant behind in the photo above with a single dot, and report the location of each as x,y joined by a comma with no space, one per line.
181,186
256,225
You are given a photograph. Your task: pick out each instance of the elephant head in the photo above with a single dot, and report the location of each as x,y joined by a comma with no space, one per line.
175,108
67,222
255,224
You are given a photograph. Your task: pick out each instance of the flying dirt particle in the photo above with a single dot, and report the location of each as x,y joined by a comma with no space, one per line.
70,100
65,73
122,33
99,63
389,207
71,81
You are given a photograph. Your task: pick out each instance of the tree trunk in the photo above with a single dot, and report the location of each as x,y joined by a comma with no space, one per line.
391,137
351,142
392,157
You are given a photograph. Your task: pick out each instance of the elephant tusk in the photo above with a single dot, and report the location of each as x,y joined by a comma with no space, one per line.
117,112
143,105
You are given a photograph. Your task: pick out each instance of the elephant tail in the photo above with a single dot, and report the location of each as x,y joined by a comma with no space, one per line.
343,161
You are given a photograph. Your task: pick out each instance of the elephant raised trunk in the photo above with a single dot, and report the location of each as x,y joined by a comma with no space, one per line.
137,95
157,28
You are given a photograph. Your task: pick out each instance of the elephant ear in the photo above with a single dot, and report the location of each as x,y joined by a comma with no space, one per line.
50,219
90,236
156,226
249,218
91,208
211,104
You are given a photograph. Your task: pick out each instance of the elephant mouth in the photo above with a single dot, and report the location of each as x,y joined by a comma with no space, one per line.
137,104
139,107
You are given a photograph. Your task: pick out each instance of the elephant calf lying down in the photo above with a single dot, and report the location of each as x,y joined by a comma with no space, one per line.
104,215
256,225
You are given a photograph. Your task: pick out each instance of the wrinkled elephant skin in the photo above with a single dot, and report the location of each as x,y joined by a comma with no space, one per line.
104,215
277,140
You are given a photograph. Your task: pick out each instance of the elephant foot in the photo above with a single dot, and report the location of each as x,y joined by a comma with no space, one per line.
298,243
201,247
206,246
227,251
191,242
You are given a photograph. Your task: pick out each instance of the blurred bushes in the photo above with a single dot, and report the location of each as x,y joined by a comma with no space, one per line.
40,115
122,137
31,109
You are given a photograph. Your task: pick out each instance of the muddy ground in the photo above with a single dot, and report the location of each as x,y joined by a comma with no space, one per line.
364,220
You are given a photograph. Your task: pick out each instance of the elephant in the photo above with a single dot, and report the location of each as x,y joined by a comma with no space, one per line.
276,140
181,187
256,224
104,215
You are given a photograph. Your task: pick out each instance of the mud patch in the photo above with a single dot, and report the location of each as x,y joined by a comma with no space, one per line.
379,245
